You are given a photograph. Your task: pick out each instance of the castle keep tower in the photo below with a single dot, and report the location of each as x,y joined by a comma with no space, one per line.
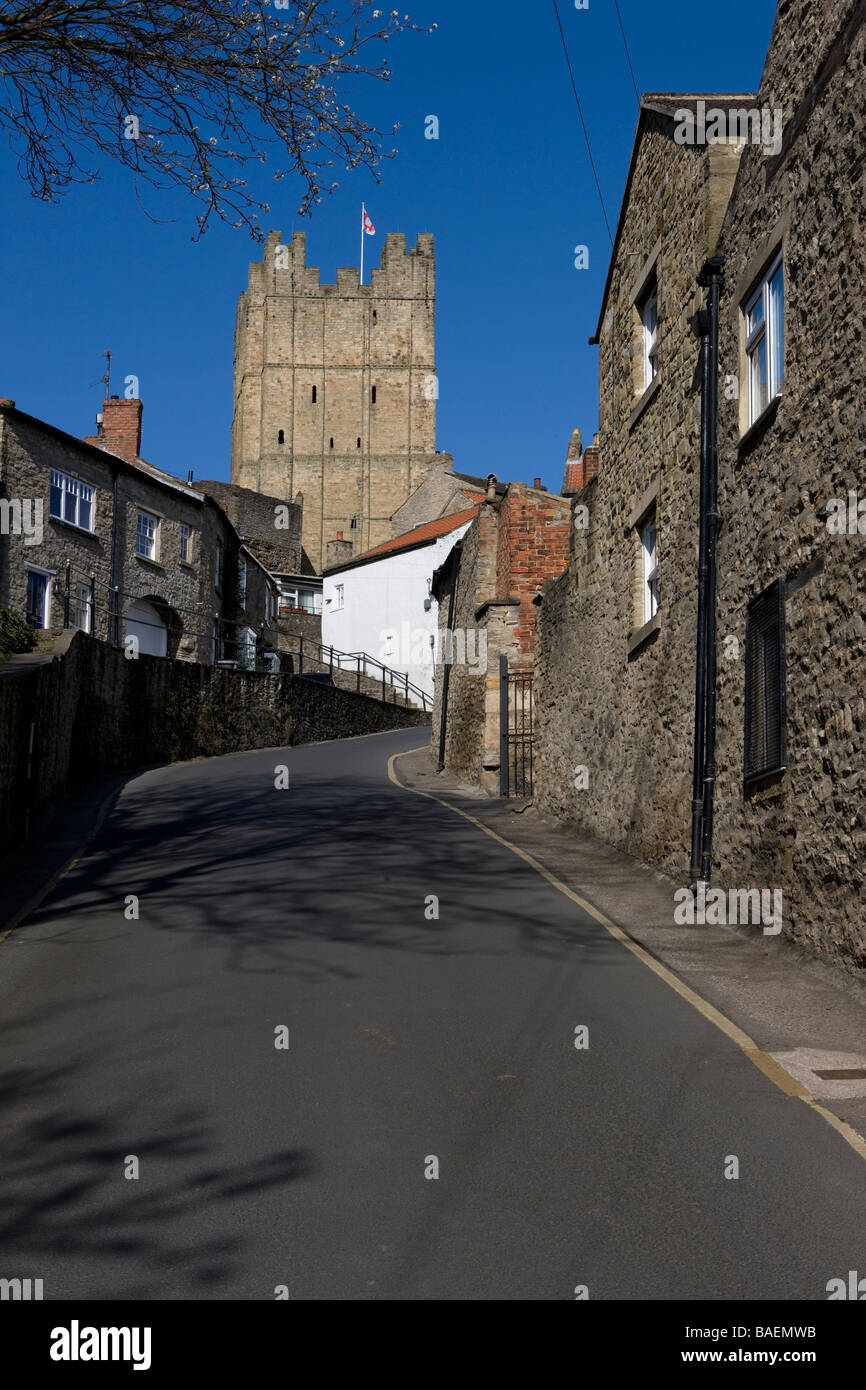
335,388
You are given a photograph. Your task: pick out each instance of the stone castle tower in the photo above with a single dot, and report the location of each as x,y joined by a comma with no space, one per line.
335,388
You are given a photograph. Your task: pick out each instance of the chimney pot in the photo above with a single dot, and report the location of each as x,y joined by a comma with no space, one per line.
537,483
339,535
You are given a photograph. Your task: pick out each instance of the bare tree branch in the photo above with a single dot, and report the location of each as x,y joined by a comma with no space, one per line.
191,95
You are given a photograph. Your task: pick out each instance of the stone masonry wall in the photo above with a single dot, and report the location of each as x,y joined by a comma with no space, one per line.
614,696
806,831
335,387
95,712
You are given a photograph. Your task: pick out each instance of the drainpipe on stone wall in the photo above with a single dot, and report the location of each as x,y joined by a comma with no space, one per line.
114,600
703,785
445,661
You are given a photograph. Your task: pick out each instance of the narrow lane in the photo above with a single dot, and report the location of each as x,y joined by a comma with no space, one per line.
154,1040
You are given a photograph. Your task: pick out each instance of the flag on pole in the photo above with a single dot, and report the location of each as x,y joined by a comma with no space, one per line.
367,224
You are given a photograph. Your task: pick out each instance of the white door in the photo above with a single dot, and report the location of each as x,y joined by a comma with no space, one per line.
144,621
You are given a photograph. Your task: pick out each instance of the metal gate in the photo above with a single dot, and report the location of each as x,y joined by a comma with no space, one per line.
515,731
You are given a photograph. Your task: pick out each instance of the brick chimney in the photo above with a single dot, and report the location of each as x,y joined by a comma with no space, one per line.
338,551
119,429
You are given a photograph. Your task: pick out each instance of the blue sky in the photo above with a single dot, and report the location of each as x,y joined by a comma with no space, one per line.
507,191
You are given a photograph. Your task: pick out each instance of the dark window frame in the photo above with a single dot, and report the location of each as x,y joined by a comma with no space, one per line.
765,635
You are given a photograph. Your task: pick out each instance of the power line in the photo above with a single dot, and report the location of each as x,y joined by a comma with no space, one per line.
627,54
582,121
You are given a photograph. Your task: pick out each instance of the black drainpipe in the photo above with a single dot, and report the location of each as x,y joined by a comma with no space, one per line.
703,784
445,661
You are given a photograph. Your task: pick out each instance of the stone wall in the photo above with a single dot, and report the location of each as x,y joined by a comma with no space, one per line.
94,712
615,705
805,831
614,693
254,515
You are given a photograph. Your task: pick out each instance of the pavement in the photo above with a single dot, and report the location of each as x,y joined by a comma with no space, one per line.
339,1040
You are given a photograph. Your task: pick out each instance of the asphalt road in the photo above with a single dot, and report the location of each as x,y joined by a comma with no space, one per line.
154,1039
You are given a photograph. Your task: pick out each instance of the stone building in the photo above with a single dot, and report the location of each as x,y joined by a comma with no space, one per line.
617,633
486,590
617,630
791,805
335,388
121,548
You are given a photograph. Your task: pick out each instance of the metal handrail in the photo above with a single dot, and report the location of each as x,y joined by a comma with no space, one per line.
395,678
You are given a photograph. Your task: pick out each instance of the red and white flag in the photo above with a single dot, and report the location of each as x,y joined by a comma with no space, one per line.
366,223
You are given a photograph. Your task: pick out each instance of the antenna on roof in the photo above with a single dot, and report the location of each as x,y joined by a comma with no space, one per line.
106,376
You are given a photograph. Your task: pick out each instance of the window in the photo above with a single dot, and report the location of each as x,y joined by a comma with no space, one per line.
218,566
242,583
765,704
332,441
353,524
359,442
765,340
373,395
281,436
70,500
338,596
269,604
648,310
185,544
314,396
79,605
38,597
147,533
649,566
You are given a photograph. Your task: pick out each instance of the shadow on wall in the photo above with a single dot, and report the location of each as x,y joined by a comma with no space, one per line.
93,712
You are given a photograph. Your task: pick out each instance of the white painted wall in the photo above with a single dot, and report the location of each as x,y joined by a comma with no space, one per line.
383,608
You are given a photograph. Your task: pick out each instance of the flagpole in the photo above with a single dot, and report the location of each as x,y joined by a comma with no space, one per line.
363,210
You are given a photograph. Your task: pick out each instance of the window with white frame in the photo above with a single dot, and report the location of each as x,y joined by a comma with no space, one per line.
185,544
147,535
338,596
79,605
269,604
649,565
765,340
218,566
648,310
242,583
70,500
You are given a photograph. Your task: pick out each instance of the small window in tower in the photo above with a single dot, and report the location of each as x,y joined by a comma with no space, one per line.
374,313
314,396
332,441
354,523
359,441
281,436
373,395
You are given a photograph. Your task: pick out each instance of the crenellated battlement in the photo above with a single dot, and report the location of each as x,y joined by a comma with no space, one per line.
283,269
336,387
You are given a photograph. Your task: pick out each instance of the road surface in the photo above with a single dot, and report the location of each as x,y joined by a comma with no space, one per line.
147,1044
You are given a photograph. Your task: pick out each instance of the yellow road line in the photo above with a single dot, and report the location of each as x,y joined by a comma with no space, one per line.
772,1069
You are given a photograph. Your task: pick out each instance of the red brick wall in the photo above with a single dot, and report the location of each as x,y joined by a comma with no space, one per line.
120,431
533,545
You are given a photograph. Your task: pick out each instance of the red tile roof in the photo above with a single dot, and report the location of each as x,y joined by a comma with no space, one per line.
426,532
